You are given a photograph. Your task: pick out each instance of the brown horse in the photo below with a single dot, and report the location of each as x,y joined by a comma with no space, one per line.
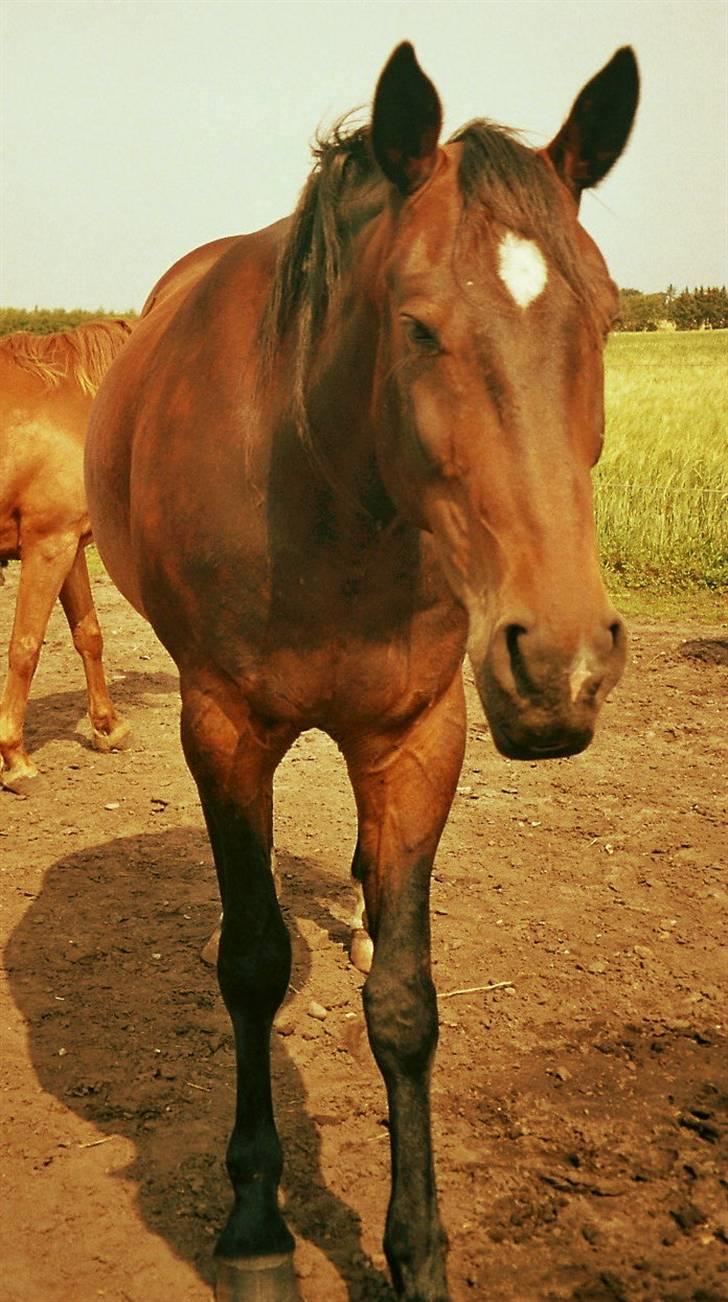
334,454
47,383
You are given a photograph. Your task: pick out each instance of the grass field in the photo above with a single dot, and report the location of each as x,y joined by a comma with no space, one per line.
662,482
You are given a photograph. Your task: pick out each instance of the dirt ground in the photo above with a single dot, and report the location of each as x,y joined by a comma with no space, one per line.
579,1107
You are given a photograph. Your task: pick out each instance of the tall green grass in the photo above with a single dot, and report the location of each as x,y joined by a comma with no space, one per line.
662,483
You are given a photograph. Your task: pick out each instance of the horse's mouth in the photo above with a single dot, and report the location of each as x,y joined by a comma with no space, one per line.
546,726
560,746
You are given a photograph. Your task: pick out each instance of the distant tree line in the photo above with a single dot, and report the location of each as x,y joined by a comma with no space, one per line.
696,309
693,309
45,320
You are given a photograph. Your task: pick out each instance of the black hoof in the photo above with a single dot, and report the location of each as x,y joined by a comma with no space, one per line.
257,1279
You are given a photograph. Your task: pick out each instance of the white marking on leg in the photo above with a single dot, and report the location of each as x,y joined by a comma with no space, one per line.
362,948
357,921
522,268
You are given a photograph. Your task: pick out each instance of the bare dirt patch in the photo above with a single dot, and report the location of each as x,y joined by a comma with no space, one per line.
579,1111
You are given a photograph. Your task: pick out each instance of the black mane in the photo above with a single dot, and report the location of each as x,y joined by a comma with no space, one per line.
501,180
310,264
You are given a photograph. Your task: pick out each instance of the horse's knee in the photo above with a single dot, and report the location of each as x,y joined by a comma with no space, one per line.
254,972
401,1012
23,655
87,638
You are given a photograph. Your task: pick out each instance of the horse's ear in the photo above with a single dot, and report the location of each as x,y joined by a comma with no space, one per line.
406,121
598,126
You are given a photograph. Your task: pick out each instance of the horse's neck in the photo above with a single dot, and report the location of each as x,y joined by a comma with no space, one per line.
339,412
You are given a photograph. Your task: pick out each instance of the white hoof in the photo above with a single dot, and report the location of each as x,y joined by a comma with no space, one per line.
208,953
361,952
114,740
15,775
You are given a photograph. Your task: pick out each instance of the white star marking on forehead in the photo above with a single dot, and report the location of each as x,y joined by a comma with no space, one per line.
522,268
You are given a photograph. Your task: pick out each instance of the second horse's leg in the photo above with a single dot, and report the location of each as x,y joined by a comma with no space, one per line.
108,729
44,566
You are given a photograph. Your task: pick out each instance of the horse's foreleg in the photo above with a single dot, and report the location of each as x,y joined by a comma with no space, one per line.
404,786
108,728
43,569
233,762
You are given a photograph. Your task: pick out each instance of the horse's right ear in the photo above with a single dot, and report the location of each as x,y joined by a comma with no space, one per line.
598,126
406,121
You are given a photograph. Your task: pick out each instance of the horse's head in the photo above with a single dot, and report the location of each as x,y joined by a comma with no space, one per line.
494,306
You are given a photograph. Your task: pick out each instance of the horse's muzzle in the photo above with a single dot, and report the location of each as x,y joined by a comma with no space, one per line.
541,698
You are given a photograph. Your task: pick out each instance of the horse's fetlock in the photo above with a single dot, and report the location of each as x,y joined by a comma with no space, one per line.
416,1260
103,721
255,1226
10,737
255,1162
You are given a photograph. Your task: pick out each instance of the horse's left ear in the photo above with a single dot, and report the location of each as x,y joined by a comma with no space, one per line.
406,121
598,126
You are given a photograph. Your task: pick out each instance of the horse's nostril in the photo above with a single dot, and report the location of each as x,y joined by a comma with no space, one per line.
619,638
513,633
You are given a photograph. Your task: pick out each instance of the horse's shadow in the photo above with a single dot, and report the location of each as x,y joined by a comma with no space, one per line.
105,965
55,716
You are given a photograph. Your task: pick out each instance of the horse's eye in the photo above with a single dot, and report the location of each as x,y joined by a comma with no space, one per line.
421,336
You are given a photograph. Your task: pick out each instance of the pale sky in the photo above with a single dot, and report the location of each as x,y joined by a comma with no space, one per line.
133,132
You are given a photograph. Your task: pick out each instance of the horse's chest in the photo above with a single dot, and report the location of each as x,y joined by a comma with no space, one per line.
347,680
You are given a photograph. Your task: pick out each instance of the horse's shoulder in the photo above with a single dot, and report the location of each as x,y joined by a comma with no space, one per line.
219,262
186,272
